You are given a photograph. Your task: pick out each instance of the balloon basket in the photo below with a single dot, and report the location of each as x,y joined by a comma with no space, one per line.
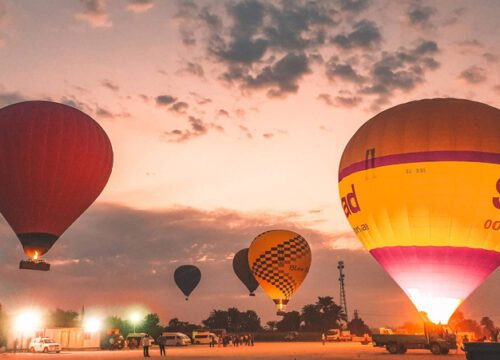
281,313
39,265
251,294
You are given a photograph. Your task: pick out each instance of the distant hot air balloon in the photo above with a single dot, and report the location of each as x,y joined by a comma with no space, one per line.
242,270
419,184
187,278
280,261
55,161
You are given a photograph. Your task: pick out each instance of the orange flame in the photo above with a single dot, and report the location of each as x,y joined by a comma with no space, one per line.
35,257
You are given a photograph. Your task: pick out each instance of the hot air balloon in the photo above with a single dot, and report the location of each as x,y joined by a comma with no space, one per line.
187,278
242,270
280,261
55,161
419,184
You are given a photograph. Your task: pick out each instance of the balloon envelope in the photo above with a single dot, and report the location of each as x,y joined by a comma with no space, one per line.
187,278
242,270
418,184
55,161
280,261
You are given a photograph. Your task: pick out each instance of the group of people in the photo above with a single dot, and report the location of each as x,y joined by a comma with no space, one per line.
233,340
223,340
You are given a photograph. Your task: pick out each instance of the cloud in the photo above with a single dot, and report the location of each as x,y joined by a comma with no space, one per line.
344,99
365,35
162,100
197,128
400,70
110,85
140,6
473,75
344,72
179,107
8,98
193,69
348,101
108,114
186,11
491,58
74,102
222,113
95,13
200,100
419,15
262,37
456,14
268,135
354,6
299,26
282,76
104,113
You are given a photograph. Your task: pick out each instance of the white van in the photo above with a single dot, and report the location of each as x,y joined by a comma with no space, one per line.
176,339
205,338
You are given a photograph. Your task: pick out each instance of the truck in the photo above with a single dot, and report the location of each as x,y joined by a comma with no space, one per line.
338,335
436,338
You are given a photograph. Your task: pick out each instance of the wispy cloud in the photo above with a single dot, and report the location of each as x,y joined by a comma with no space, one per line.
95,13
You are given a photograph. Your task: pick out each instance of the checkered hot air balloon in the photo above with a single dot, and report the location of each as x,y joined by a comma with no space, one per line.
279,261
420,186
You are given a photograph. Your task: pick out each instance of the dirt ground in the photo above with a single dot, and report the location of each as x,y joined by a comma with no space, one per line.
261,351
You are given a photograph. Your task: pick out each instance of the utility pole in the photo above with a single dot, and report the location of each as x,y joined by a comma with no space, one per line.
343,302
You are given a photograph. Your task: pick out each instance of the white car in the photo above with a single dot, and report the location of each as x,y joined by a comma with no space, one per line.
44,345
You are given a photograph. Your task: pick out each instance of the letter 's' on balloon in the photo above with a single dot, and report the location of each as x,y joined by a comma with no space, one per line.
243,272
280,261
417,184
54,162
187,278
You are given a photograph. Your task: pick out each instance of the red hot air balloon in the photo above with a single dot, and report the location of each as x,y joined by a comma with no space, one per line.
54,162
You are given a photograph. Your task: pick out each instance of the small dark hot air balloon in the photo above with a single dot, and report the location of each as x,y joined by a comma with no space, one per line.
55,161
187,278
243,272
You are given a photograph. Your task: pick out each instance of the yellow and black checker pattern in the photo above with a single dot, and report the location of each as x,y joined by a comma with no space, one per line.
280,260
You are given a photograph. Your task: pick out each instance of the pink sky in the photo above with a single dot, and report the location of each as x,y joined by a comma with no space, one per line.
264,145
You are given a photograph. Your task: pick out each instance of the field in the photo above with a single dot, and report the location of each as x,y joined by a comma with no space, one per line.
261,351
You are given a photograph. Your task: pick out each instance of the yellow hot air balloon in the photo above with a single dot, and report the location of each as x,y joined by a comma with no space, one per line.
280,261
419,184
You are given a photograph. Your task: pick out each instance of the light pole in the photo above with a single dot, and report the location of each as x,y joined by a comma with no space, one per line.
134,319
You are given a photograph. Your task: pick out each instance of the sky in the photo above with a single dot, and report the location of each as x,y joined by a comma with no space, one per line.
229,118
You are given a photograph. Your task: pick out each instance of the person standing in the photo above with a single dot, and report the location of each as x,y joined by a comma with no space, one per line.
323,338
145,342
162,342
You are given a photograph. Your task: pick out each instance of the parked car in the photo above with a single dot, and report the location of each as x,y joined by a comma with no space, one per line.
176,339
338,335
45,345
204,337
291,336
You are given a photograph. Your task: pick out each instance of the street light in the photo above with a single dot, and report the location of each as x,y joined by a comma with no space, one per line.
26,321
92,325
135,318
